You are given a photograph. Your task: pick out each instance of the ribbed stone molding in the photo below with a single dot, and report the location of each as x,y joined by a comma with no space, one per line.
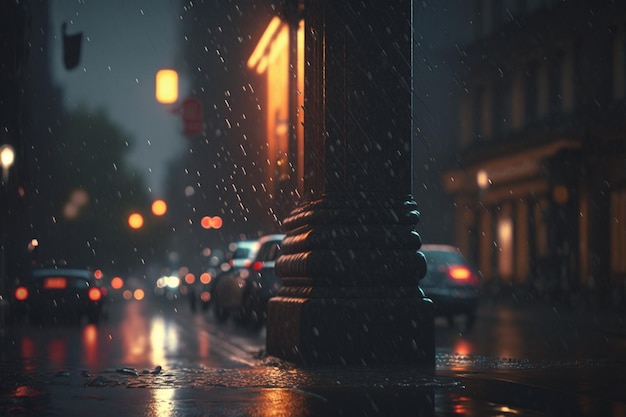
351,269
352,241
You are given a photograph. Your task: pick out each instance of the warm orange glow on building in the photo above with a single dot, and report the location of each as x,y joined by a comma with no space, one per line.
300,105
264,43
272,59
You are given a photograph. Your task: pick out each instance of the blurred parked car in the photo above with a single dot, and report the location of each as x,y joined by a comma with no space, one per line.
247,287
58,294
238,255
450,282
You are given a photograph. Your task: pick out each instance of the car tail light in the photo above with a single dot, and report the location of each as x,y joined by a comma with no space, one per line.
459,273
257,266
21,293
94,294
55,283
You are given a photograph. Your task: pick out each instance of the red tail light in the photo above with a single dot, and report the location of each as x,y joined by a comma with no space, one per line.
94,294
257,266
55,283
459,273
21,293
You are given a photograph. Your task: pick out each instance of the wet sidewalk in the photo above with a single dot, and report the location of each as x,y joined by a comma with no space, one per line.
273,388
257,385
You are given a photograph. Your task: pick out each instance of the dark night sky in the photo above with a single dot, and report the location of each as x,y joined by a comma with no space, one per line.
124,43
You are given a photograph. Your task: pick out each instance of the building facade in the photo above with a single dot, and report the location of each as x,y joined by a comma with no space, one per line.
539,181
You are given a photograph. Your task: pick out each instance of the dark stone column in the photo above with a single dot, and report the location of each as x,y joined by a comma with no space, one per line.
351,264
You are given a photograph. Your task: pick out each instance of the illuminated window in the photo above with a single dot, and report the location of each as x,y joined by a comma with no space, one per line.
505,245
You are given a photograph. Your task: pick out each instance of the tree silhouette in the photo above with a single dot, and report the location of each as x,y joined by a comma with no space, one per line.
88,195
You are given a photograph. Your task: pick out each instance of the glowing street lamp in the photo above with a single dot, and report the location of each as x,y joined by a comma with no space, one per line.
166,86
7,156
482,180
159,207
135,221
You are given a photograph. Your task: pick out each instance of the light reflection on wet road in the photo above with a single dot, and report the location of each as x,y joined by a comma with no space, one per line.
153,344
539,334
145,334
137,334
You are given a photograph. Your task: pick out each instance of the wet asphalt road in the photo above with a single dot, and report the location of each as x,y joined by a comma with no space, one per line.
159,358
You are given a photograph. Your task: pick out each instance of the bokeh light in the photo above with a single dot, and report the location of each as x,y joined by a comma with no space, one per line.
205,278
159,208
208,222
117,283
166,86
135,221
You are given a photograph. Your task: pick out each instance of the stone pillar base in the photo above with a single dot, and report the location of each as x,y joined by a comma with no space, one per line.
352,331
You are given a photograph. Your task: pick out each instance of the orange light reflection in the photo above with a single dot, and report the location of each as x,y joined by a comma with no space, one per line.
279,402
135,344
90,345
162,404
463,349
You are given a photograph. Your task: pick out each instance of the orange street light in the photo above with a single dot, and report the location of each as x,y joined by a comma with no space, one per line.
159,207
166,86
7,156
135,221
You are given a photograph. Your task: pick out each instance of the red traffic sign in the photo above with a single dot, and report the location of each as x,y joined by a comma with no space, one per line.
193,117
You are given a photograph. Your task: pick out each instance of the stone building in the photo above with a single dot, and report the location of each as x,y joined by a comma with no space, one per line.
539,181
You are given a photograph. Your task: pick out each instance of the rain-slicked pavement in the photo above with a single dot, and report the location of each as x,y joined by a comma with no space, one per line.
236,379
